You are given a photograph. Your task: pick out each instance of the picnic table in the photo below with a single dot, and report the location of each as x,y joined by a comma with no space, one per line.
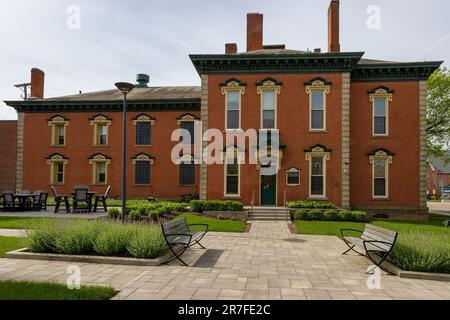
25,200
90,196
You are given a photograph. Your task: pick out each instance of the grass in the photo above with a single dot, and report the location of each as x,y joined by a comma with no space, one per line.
29,290
10,244
22,222
215,224
421,245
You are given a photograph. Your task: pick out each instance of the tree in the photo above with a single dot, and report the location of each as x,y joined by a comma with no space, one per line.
438,114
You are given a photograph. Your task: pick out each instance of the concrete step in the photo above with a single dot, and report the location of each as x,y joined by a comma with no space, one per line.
263,214
268,219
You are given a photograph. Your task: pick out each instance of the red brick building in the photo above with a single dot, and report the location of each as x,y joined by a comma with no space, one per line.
8,144
438,176
352,130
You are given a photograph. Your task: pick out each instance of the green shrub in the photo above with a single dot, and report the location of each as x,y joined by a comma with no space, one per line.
147,244
311,204
189,197
134,215
215,205
345,215
154,214
76,237
301,215
331,215
315,214
423,252
359,216
112,239
113,213
43,240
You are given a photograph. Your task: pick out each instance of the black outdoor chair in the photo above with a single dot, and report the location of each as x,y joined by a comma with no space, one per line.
40,200
60,199
8,201
81,201
102,199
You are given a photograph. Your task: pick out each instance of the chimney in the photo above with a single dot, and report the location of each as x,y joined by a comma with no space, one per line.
254,31
230,48
333,27
142,80
37,84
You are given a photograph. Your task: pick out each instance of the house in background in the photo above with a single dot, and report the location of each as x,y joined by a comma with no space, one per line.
8,144
438,176
352,130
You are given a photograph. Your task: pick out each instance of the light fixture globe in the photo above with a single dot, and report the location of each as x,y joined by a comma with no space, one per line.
125,87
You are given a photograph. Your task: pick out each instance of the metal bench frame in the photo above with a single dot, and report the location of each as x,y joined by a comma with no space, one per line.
172,243
383,254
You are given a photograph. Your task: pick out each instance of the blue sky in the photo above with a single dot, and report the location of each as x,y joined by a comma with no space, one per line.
118,39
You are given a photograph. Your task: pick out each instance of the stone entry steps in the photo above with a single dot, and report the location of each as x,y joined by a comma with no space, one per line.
268,214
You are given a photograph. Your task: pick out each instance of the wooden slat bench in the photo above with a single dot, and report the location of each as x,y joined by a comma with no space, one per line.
177,232
373,240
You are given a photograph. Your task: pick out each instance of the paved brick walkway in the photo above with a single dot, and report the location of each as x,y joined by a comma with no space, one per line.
266,263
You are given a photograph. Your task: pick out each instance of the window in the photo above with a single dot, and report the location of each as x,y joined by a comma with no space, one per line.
380,116
293,177
268,109
232,172
380,160
100,124
189,126
317,89
317,110
317,157
57,164
380,98
58,125
143,125
187,173
99,164
317,176
142,175
233,110
143,133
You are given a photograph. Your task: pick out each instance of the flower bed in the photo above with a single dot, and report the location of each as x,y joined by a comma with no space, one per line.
153,210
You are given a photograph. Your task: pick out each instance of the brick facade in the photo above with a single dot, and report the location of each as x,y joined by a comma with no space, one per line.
8,138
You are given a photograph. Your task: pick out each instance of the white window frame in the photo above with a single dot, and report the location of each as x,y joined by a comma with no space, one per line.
381,155
239,156
56,122
383,93
293,170
269,85
233,86
95,123
318,152
53,161
94,160
318,85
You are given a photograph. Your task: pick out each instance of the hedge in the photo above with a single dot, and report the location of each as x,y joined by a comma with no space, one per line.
215,205
311,204
330,215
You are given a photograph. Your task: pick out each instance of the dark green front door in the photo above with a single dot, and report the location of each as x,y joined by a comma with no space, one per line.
268,190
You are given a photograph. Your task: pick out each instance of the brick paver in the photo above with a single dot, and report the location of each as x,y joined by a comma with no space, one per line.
267,263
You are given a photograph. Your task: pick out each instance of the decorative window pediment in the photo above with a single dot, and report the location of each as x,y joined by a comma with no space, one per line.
268,84
317,83
99,157
318,150
233,84
144,118
186,117
58,120
380,92
142,157
380,154
100,119
56,157
187,158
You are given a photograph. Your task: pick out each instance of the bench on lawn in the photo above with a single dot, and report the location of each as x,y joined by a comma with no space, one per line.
373,240
177,232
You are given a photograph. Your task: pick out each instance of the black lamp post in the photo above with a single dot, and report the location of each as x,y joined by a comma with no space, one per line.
125,88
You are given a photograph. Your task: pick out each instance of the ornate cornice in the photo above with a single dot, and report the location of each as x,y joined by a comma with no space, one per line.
380,154
186,117
233,84
268,84
317,84
100,118
99,157
57,157
144,118
276,63
142,157
380,92
317,150
57,119
406,71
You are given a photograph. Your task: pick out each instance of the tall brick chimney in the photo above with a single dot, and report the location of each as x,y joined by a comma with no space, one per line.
333,27
37,84
254,31
230,48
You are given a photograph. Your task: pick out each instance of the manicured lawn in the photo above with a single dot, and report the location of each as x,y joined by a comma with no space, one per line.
22,222
421,245
28,290
10,244
215,224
